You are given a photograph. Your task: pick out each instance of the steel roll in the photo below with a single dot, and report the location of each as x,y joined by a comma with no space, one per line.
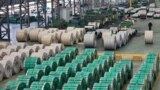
54,37
40,46
40,85
15,85
53,64
148,37
41,55
70,28
124,37
33,35
59,45
21,36
7,66
67,70
110,42
2,72
36,73
75,36
52,30
45,68
69,86
21,45
49,52
16,63
90,40
47,40
55,48
4,44
26,79
106,33
21,56
41,34
67,39
34,48
31,62
2,54
15,47
114,29
59,34
8,51
118,40
26,51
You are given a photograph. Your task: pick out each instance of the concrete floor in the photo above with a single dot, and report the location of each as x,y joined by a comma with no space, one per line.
136,45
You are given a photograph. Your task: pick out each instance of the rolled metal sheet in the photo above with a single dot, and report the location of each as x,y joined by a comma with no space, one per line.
106,33
15,47
70,28
8,51
118,40
15,85
36,73
21,36
41,34
148,37
59,45
40,46
26,51
40,85
46,68
49,52
26,79
4,44
47,39
110,42
7,66
16,62
55,49
22,45
75,36
124,37
90,40
33,35
42,55
2,71
67,38
59,34
2,54
114,29
34,48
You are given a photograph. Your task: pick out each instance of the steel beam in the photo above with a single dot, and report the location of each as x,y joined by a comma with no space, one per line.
24,14
41,13
4,27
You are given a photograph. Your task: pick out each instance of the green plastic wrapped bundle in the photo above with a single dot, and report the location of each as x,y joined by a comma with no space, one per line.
15,85
98,68
40,85
135,87
154,62
31,62
75,66
2,88
30,89
76,51
53,65
105,63
58,60
72,86
80,81
120,72
36,73
89,54
61,76
101,86
110,53
26,79
46,69
87,76
109,81
94,51
129,64
92,70
84,57
67,70
108,59
52,80
80,61
69,53
65,57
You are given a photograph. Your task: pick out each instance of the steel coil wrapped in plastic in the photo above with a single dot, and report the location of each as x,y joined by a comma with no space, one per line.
42,55
2,71
26,51
124,37
45,68
40,85
21,45
15,47
22,36
26,79
49,52
15,85
73,86
55,49
59,45
90,40
70,28
15,60
33,35
53,64
118,40
31,62
2,54
36,73
7,66
40,46
67,39
110,42
148,37
7,51
32,49
47,39
41,34
4,44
